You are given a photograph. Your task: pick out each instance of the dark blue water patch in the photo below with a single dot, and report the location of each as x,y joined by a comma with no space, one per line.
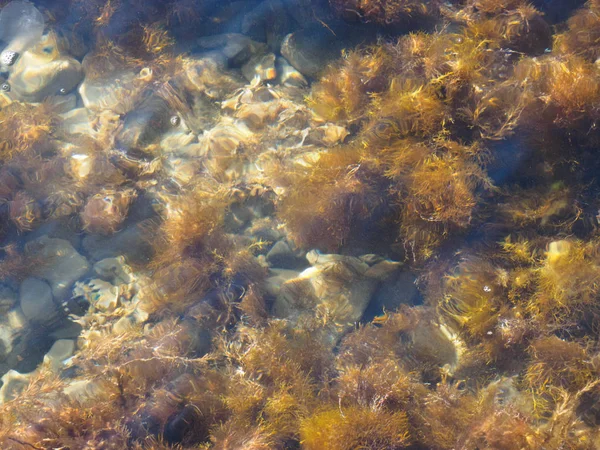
511,161
556,11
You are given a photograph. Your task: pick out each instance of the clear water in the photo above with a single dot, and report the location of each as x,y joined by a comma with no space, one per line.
299,224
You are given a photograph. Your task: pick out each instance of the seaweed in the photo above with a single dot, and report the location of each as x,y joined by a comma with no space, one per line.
26,128
355,427
582,37
386,12
557,363
336,193
474,297
105,211
566,88
566,286
468,149
346,88
24,211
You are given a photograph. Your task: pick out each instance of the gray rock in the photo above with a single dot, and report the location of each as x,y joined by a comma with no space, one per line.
130,243
66,330
310,50
12,326
178,141
269,22
55,229
306,12
436,344
282,256
205,78
60,264
102,295
231,48
224,17
82,391
77,121
264,229
277,277
36,300
146,124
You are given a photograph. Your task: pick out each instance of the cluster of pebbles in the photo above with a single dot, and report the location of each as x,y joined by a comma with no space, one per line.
131,135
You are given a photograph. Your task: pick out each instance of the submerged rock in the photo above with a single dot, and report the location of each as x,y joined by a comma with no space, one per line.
12,326
277,278
43,71
82,390
8,298
260,67
108,93
61,265
61,350
105,212
13,383
310,50
231,49
36,300
287,74
115,270
111,88
437,344
146,124
336,288
397,290
282,256
77,121
21,26
268,22
132,243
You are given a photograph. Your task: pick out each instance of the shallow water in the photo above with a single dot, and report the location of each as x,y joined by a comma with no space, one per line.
299,224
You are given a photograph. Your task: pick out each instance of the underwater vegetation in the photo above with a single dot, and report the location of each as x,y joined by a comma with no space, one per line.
198,234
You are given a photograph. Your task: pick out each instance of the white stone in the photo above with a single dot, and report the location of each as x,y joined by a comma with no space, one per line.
101,294
60,351
13,383
8,57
